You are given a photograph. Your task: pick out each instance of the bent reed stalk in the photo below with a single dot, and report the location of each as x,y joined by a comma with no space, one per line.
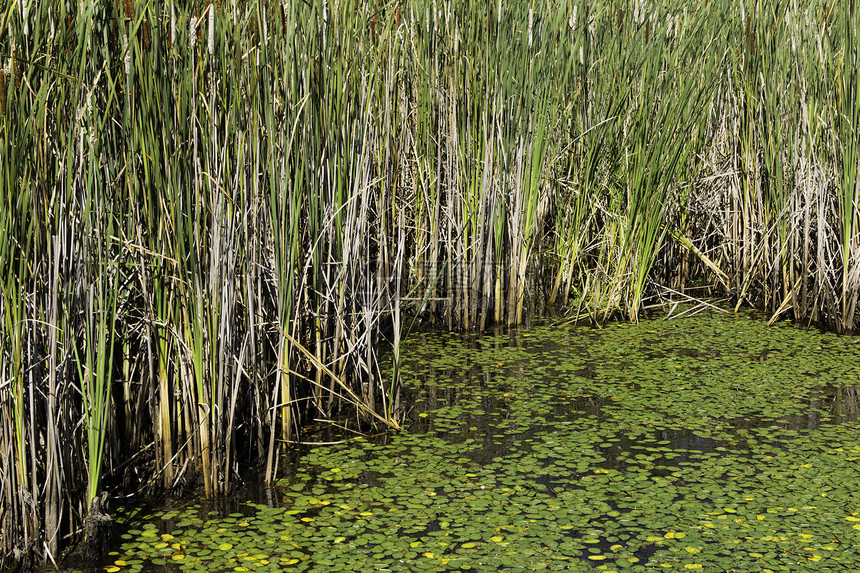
213,213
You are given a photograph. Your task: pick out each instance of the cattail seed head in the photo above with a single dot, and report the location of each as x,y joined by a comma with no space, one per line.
172,25
128,9
127,50
750,34
531,22
211,29
265,19
147,35
192,31
16,71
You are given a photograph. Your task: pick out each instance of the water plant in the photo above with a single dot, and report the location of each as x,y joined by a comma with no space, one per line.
547,449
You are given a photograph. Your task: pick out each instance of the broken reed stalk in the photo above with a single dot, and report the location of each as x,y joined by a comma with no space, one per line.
255,241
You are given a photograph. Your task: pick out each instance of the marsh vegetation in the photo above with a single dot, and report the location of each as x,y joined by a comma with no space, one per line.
213,213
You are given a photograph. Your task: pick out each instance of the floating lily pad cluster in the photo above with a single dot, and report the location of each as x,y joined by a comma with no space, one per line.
711,443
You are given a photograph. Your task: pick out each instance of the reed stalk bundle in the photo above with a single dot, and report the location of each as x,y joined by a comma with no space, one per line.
202,246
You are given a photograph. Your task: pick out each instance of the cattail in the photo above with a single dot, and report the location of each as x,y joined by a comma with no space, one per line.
750,34
211,29
172,25
192,31
128,8
620,20
2,91
199,28
16,71
531,22
127,50
147,35
397,15
572,21
265,19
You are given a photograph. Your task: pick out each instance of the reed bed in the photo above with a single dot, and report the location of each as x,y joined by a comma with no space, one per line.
214,213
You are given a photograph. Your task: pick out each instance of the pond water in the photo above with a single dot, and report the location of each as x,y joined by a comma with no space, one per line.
707,443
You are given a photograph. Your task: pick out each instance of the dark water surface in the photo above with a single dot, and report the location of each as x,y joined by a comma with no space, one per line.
710,443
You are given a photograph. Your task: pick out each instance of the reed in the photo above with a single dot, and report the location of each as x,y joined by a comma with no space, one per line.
211,223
